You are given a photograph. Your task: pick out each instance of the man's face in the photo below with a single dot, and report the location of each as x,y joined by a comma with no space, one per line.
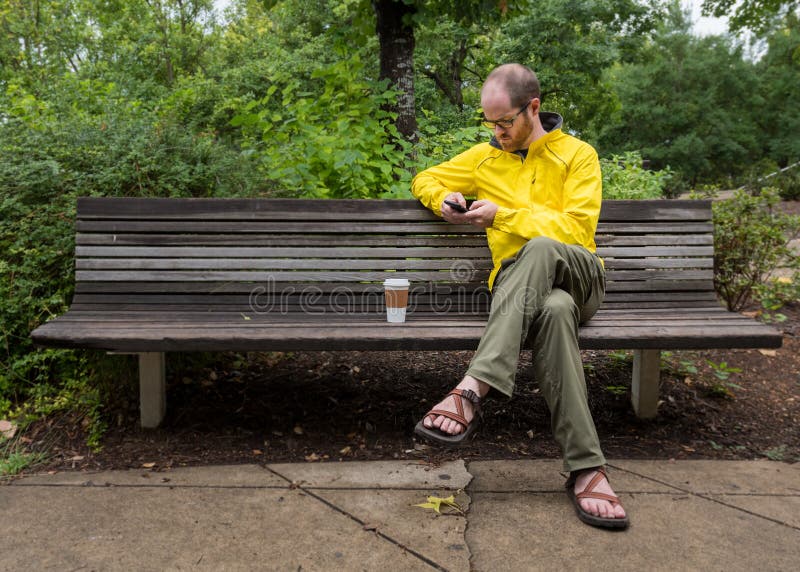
497,107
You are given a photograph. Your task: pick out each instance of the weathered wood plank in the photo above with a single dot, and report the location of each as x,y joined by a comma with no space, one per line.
433,251
332,229
279,240
265,277
250,264
443,288
375,209
385,337
654,240
622,228
653,251
643,263
211,209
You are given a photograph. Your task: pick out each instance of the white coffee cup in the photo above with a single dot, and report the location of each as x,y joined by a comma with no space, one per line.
396,294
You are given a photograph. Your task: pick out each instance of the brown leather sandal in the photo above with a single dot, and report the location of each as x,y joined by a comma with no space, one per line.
443,438
589,493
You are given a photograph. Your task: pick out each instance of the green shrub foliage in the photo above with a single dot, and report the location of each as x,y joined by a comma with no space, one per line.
751,241
625,178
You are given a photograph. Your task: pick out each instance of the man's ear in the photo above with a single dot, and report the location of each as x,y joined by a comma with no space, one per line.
535,104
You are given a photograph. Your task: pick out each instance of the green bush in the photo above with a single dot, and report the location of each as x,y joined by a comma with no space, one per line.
338,141
624,178
85,139
750,242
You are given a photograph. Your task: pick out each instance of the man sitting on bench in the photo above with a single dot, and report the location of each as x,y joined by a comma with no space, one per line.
538,196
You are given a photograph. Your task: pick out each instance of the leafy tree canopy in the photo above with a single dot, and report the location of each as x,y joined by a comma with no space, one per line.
759,16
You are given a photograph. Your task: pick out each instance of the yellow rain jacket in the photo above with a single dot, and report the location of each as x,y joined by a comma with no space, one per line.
555,191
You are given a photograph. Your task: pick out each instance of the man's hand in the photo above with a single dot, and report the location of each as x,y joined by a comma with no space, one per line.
481,213
450,214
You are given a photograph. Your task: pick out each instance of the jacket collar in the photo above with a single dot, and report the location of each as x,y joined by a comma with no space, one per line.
550,122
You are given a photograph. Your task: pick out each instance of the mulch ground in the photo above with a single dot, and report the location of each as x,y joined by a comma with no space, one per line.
341,406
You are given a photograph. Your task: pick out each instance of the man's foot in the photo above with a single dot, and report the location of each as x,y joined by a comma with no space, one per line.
595,500
452,422
451,426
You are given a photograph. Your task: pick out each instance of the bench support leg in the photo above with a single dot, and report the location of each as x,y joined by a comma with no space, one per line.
152,389
644,390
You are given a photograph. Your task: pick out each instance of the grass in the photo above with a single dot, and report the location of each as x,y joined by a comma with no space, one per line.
15,458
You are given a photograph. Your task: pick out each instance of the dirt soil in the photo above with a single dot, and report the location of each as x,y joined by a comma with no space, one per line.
332,406
322,406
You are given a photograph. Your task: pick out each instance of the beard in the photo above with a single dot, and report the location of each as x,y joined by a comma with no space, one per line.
517,138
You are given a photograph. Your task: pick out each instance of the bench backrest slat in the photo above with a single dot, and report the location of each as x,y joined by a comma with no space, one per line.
141,254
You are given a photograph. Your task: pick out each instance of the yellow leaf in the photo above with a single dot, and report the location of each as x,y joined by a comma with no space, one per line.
246,317
436,503
768,353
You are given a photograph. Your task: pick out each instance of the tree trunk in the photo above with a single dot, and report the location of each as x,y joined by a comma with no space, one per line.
396,36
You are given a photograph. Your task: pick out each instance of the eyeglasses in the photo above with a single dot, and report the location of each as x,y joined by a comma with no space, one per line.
504,123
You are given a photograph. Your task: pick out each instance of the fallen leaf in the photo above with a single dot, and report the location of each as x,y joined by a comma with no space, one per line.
436,503
369,526
246,317
312,457
346,451
148,465
77,458
258,452
768,353
8,429
753,314
298,430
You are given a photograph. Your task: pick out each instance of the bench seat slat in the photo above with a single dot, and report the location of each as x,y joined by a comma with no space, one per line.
375,335
418,318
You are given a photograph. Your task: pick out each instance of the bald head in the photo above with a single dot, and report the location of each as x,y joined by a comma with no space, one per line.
515,81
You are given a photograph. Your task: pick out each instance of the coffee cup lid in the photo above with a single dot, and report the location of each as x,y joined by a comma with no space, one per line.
396,282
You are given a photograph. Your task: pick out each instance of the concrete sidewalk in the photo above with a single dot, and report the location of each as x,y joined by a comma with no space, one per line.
686,515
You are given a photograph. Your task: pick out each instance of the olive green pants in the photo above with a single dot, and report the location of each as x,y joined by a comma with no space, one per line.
542,294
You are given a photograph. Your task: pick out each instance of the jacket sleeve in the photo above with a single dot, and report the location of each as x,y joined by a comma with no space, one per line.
432,185
576,222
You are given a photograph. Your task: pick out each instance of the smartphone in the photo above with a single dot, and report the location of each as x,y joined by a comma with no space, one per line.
456,207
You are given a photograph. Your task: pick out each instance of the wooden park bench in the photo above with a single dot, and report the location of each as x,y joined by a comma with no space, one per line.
177,275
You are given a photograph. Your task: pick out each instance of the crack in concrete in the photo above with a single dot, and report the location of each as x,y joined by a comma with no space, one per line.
470,492
708,498
435,565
